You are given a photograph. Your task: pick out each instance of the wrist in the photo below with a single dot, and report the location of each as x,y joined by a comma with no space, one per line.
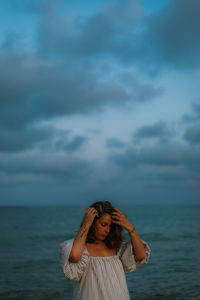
86,226
131,229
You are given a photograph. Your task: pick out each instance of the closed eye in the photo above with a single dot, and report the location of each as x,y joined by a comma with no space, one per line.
106,224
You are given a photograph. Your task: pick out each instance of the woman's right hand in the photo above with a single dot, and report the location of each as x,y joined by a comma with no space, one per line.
89,216
80,239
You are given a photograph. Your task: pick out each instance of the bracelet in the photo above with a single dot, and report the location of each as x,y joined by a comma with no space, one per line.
132,230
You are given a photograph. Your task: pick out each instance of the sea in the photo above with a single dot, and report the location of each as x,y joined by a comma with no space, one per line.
29,254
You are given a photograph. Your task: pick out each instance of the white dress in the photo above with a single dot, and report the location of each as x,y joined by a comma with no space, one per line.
100,278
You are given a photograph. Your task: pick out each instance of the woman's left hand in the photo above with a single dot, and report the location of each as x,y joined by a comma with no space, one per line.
119,218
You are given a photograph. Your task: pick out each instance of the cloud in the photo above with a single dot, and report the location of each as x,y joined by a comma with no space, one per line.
173,34
23,6
192,134
196,111
157,130
79,63
150,174
121,33
127,160
18,140
170,156
159,156
169,37
77,142
43,138
160,173
102,33
194,116
52,166
139,92
32,89
114,143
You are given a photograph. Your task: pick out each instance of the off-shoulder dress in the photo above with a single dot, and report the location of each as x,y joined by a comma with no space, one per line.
100,278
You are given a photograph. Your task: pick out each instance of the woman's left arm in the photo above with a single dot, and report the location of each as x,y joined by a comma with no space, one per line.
139,251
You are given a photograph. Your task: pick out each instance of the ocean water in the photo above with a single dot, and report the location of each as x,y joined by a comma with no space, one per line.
29,257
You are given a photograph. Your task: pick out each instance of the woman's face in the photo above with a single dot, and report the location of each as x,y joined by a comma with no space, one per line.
102,227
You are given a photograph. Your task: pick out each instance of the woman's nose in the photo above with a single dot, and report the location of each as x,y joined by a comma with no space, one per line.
107,230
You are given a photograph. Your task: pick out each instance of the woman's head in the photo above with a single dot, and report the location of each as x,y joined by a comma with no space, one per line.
103,228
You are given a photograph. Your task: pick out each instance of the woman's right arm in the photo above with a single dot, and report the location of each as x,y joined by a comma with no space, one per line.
80,239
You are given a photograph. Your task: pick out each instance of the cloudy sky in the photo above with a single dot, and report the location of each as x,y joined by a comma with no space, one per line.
99,100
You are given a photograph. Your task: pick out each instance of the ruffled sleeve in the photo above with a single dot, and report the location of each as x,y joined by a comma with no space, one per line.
72,271
128,259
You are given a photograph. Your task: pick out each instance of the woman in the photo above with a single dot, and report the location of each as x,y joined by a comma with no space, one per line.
97,259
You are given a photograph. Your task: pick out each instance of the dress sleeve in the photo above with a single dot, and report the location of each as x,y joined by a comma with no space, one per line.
72,271
128,259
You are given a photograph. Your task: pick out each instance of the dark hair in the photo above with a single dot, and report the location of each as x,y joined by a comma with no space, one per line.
114,238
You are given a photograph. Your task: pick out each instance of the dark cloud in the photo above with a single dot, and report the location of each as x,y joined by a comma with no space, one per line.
10,40
187,118
120,31
64,141
43,138
110,34
114,143
159,155
52,166
168,37
101,33
173,34
127,160
194,115
32,89
67,75
157,130
159,173
26,139
192,134
75,144
173,155
20,80
35,177
151,174
166,171
196,110
140,92
23,6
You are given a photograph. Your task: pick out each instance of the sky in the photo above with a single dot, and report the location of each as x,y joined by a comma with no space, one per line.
99,101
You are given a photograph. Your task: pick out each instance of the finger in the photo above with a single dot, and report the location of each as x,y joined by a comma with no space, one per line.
91,209
94,211
116,222
116,214
117,210
87,212
115,218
